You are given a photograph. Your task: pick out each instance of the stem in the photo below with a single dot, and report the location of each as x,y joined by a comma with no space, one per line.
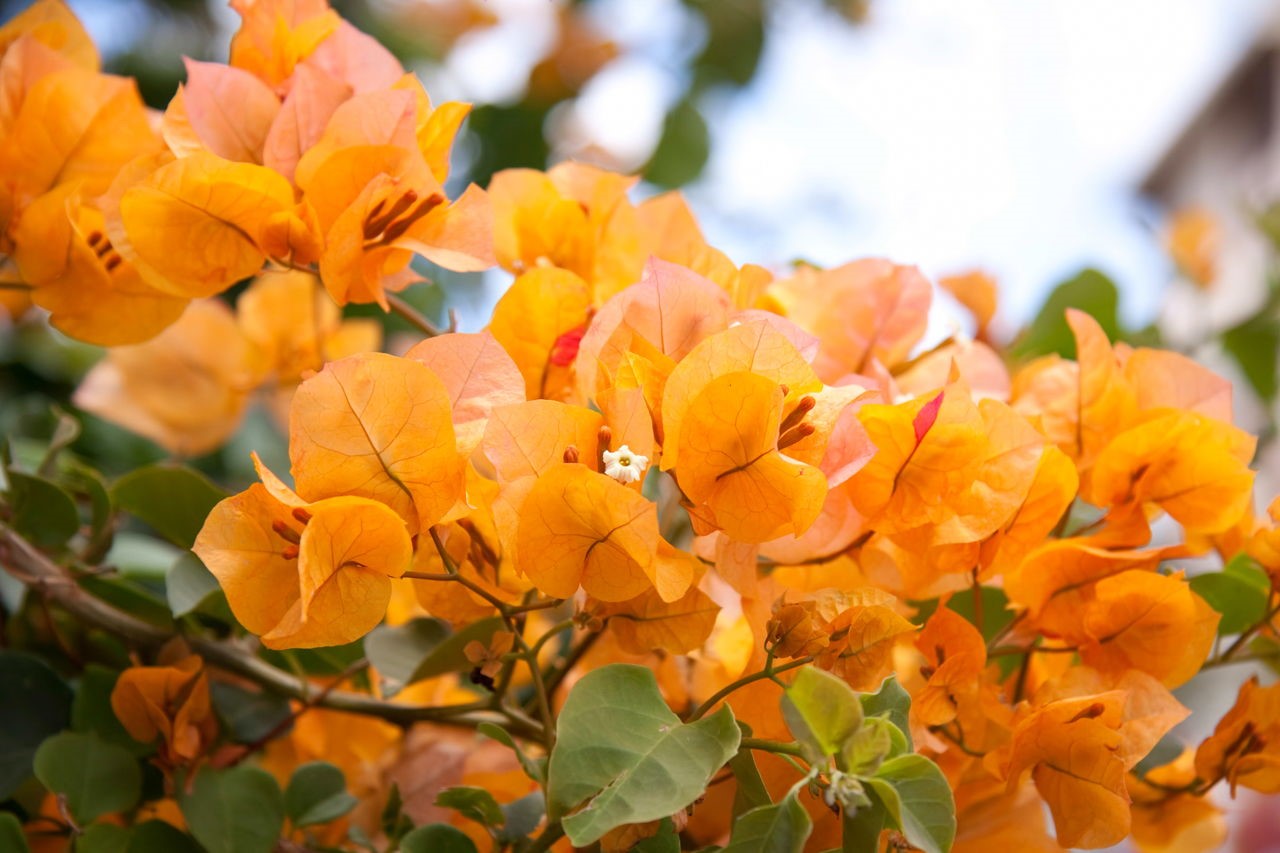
1000,651
576,653
411,315
977,603
509,618
776,746
551,632
311,701
1240,641
21,559
768,672
1006,630
553,833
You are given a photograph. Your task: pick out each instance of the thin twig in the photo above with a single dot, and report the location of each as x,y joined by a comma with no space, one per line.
22,560
412,316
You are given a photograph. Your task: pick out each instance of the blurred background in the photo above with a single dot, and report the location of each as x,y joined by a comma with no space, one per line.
1129,152
1027,139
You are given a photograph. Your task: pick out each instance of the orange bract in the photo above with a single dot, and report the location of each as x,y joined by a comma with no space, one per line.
379,427
578,528
170,703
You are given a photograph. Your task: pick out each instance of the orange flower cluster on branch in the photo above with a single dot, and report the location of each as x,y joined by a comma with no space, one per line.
651,454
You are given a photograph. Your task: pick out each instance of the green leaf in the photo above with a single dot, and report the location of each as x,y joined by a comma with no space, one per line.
91,710
861,830
45,710
535,769
1240,592
821,710
249,715
83,480
751,792
130,595
522,817
395,823
11,835
869,747
683,148
65,431
188,584
396,651
43,511
95,776
156,836
238,810
104,838
622,749
893,703
317,793
474,803
921,804
780,828
1090,291
734,42
996,614
1254,345
172,499
437,838
424,648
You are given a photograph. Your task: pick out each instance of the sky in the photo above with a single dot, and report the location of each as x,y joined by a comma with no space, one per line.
994,133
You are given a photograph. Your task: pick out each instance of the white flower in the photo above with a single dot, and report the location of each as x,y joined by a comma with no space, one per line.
625,466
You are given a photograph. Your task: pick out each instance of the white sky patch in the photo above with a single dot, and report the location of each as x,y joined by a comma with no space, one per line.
621,109
492,65
994,133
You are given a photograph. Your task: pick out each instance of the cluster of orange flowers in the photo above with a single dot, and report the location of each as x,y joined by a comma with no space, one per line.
719,468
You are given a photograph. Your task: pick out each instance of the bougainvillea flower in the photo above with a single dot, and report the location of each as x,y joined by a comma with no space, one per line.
379,204
53,24
170,703
198,224
187,389
976,291
864,634
223,110
1193,467
756,347
62,251
275,35
1244,748
297,328
328,564
927,455
579,528
574,217
530,438
1072,747
73,126
540,321
379,427
865,310
733,465
478,375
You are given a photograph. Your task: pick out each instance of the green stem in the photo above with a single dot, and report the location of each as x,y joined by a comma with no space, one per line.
412,316
762,745
553,833
1244,638
768,672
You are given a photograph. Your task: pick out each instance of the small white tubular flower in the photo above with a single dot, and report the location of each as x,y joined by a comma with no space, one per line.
624,466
